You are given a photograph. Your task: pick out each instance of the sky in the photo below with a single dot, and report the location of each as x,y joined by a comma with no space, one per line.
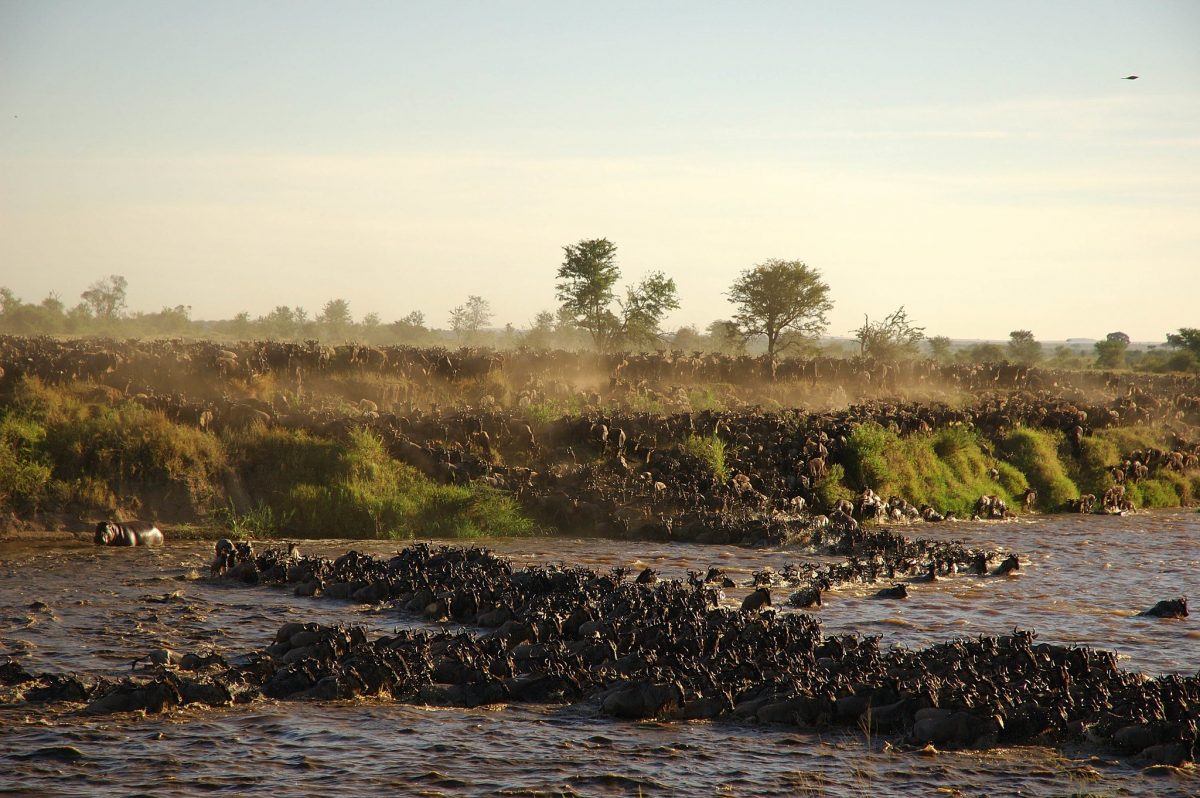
981,163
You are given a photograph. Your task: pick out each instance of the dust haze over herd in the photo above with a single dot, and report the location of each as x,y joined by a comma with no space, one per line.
989,172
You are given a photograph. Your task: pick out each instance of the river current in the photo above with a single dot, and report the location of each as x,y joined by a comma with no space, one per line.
66,605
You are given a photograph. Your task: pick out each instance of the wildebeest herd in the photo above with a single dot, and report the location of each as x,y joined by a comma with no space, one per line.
593,442
598,443
648,648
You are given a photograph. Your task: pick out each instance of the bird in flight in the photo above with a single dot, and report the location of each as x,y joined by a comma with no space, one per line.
1130,77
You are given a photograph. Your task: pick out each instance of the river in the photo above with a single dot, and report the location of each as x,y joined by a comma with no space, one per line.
1082,581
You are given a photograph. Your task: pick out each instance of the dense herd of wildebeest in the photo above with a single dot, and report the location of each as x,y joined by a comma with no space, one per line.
609,458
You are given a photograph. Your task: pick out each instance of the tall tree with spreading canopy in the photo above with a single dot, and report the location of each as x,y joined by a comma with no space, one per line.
779,296
643,309
106,298
1110,353
586,282
469,318
1187,339
335,317
586,288
1023,348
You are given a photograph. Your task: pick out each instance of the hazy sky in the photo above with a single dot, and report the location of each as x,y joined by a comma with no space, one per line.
980,162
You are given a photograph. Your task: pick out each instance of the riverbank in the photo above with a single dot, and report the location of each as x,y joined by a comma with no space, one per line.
69,456
73,454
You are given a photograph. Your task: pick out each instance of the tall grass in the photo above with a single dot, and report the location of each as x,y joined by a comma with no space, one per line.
60,450
832,489
354,489
259,521
709,450
1035,453
948,469
57,446
24,475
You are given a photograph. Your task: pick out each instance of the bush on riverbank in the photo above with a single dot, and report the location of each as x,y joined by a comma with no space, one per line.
709,450
1035,453
948,469
353,488
61,448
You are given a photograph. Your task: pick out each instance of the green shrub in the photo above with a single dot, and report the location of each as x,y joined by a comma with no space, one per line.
1186,487
66,446
56,445
23,481
260,521
1089,470
1127,439
948,469
1154,493
1034,453
709,450
830,490
707,398
354,489
866,464
1012,481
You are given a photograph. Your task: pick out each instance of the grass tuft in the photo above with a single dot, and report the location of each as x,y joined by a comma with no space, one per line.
710,450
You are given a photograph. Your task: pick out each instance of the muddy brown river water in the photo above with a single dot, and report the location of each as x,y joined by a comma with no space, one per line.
1084,580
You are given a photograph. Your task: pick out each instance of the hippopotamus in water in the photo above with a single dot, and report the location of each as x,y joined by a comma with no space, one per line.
1168,608
134,533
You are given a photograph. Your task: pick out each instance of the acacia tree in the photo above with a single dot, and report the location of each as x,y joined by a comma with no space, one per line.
335,317
779,296
1187,339
1022,348
468,319
643,309
106,298
1110,353
586,286
894,337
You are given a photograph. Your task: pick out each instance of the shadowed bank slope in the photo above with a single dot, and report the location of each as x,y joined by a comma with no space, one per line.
70,454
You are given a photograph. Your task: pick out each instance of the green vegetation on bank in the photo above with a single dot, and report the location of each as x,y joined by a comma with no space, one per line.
59,450
948,469
353,488
1036,454
710,450
85,452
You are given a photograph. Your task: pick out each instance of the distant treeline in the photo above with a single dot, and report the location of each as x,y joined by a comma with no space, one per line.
633,326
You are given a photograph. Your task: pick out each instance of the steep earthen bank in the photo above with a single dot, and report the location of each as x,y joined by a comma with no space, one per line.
93,428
